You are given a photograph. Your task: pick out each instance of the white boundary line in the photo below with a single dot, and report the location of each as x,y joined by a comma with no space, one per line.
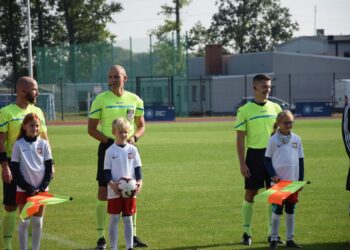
63,241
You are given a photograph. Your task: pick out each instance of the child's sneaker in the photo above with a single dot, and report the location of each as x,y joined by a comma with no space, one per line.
273,244
279,240
247,240
138,242
292,244
101,244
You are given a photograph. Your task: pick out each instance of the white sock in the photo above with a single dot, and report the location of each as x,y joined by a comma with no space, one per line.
23,234
290,226
37,228
275,224
113,230
269,217
128,231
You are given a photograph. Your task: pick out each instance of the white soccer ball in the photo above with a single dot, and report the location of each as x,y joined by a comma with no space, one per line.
127,187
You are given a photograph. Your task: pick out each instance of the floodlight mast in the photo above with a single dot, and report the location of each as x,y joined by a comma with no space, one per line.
30,61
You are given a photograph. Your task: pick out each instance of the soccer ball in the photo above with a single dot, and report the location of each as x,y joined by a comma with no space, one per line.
127,187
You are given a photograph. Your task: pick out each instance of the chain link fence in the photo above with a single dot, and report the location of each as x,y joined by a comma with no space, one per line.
76,74
70,77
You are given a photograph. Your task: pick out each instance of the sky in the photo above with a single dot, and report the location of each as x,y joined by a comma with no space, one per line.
140,16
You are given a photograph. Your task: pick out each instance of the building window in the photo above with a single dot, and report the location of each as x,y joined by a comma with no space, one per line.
346,53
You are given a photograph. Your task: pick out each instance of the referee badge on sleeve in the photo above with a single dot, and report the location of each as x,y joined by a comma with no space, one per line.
130,114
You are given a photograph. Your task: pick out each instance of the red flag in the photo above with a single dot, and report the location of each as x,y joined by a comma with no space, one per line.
280,191
34,202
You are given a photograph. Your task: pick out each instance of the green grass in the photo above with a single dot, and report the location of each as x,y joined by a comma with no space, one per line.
193,189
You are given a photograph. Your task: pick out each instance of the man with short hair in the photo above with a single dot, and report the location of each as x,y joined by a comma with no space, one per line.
254,126
11,117
108,106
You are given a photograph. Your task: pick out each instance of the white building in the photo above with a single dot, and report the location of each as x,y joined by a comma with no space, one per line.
297,77
319,45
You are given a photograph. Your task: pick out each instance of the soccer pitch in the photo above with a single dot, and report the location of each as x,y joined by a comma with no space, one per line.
193,189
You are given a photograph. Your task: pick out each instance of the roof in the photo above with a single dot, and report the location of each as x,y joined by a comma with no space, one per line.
330,39
333,39
310,38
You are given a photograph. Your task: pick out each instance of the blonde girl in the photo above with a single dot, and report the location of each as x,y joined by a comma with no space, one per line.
284,160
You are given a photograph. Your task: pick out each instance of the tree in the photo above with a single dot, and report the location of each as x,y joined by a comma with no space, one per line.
53,22
12,53
171,59
85,21
171,25
46,26
248,25
277,28
47,31
198,37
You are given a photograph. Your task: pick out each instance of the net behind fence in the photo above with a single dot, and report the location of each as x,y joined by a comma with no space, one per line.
71,76
213,95
78,72
45,101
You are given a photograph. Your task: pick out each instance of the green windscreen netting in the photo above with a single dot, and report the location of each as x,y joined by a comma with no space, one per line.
74,74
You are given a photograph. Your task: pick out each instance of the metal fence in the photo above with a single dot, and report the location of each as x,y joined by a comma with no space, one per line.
200,96
218,95
157,71
76,73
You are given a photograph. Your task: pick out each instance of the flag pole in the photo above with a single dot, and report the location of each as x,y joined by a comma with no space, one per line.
30,61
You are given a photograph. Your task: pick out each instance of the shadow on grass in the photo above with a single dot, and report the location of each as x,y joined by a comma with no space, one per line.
316,246
203,247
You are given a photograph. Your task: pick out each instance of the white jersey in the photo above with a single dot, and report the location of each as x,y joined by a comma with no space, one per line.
285,157
122,161
31,157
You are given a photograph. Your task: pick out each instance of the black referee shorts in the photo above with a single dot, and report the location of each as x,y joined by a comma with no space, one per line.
259,177
9,191
100,162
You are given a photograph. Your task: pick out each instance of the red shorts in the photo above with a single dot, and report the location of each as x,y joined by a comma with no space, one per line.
293,198
21,197
122,205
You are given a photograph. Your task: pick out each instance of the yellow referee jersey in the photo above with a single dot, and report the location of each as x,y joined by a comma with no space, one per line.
257,121
11,117
107,107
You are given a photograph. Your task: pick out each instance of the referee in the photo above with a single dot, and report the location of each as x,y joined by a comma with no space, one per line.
346,139
254,126
108,106
11,117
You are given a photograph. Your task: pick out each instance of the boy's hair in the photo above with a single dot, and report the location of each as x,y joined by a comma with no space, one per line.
28,118
120,124
261,77
279,117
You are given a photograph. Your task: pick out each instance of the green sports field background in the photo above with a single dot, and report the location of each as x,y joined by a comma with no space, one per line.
193,189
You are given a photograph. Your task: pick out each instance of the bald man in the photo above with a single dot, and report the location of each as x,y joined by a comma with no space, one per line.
11,117
108,106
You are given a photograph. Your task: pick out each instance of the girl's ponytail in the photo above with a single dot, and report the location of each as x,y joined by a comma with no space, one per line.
275,126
